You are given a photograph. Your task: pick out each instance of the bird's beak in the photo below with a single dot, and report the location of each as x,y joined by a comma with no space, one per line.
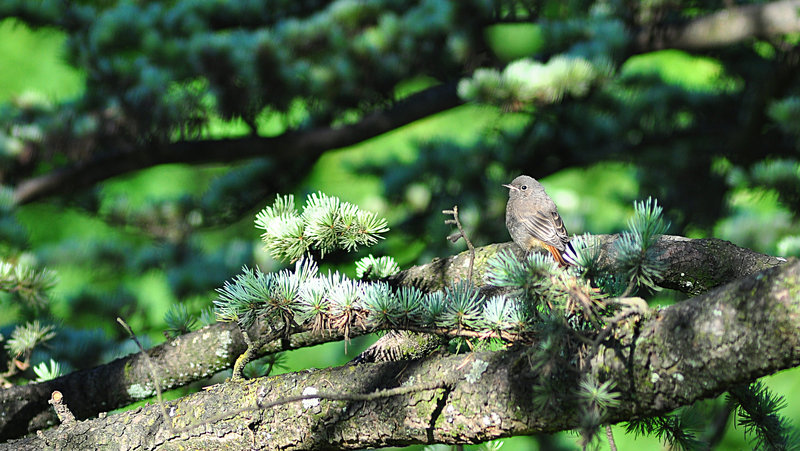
510,186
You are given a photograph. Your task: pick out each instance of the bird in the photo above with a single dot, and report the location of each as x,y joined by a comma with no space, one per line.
532,219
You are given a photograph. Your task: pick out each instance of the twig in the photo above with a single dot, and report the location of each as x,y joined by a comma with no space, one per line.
377,394
15,365
248,354
287,326
636,306
612,446
289,147
63,413
461,234
716,429
153,377
629,289
507,336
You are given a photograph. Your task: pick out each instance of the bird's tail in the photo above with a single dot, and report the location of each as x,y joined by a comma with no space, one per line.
569,255
557,255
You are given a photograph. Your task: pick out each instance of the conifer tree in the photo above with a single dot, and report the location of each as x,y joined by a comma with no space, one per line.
129,264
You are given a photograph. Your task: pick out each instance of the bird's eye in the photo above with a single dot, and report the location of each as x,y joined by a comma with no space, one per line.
523,187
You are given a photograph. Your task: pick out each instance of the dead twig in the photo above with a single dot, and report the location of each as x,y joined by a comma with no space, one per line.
460,234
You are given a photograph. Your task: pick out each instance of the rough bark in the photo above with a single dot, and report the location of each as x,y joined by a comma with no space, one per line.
694,266
178,362
672,357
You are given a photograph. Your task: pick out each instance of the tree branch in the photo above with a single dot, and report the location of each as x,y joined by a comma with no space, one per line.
694,266
297,151
293,150
723,28
179,362
683,353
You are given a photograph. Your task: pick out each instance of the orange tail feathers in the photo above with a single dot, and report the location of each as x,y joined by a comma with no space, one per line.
557,256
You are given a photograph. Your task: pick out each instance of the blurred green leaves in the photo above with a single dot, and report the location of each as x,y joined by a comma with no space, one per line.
48,75
178,65
714,139
786,112
706,75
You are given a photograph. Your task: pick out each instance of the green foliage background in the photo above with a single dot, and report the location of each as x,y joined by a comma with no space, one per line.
96,283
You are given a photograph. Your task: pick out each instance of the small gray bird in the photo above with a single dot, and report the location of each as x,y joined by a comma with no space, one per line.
532,218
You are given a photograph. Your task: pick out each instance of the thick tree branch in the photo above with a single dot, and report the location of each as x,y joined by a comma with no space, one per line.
723,28
296,151
180,361
694,266
683,353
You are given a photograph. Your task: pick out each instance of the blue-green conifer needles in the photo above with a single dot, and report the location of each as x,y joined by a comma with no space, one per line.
585,252
179,320
30,286
370,267
307,298
758,414
325,224
786,112
635,251
24,338
544,289
46,371
537,290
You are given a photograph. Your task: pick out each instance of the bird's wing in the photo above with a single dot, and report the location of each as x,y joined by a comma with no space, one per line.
547,227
